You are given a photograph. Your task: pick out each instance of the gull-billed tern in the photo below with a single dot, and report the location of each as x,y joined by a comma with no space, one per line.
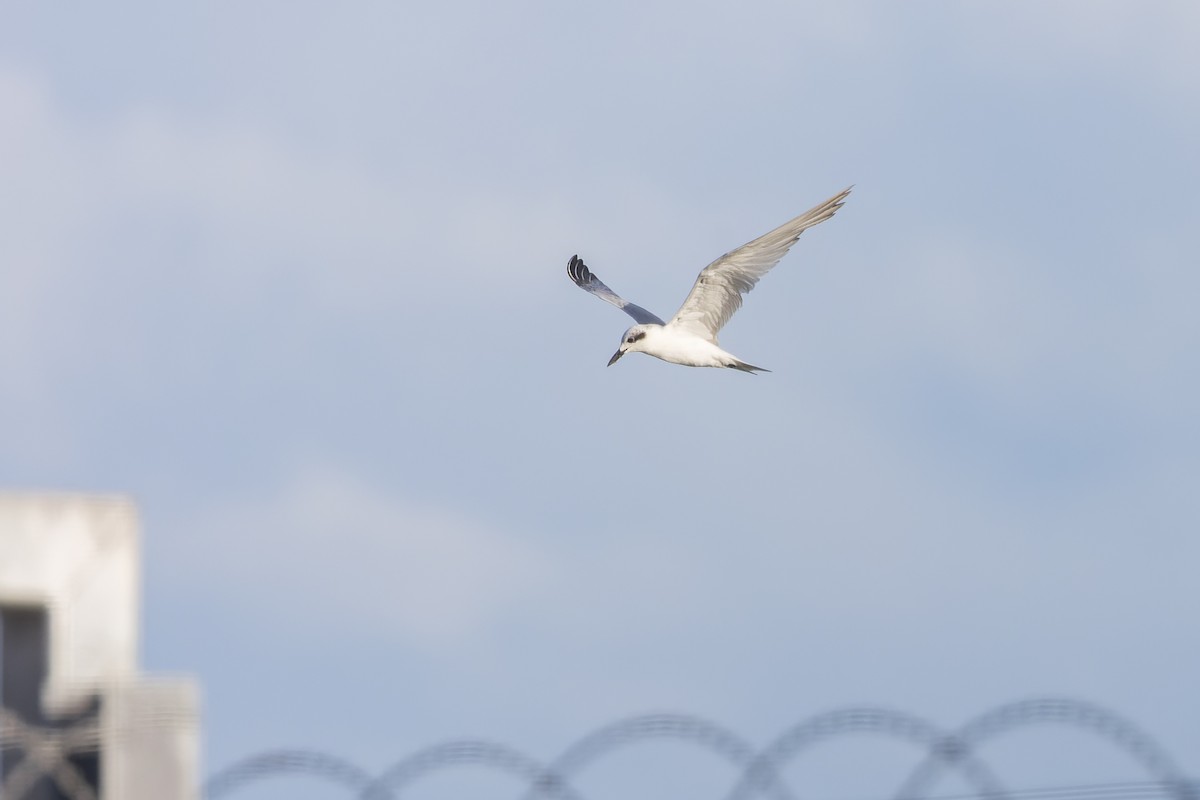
690,338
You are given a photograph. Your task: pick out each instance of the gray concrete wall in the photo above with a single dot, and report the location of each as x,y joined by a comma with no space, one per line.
80,721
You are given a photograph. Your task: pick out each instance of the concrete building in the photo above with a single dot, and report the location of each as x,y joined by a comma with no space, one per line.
79,722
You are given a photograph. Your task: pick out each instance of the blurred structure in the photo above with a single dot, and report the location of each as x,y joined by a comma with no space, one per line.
78,722
758,773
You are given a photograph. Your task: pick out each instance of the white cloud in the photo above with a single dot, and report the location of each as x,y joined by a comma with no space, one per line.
109,215
266,209
328,551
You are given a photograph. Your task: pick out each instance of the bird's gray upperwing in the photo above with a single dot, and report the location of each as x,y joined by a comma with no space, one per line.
585,280
718,290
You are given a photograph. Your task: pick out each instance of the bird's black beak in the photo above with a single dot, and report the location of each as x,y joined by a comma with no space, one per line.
616,356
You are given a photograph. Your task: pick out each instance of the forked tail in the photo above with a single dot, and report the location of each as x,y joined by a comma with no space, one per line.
744,367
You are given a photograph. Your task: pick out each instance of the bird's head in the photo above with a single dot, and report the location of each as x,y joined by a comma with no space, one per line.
633,341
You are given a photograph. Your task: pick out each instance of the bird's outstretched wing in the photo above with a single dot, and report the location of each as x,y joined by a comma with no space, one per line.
719,288
585,280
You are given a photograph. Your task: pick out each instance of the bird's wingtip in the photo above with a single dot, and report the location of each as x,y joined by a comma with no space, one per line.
578,271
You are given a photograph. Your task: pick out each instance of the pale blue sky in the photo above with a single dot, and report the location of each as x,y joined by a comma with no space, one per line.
292,276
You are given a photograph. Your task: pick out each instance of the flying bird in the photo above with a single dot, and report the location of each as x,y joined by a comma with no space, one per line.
690,338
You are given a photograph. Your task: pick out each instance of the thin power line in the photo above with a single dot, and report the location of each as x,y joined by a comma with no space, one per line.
1117,790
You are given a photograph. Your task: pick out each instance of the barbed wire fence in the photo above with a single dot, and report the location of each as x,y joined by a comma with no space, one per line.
45,754
758,770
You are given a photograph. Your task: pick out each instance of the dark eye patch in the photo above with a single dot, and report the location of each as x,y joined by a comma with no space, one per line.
637,336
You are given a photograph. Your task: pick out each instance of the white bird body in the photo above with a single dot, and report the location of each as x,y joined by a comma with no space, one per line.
679,347
690,338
